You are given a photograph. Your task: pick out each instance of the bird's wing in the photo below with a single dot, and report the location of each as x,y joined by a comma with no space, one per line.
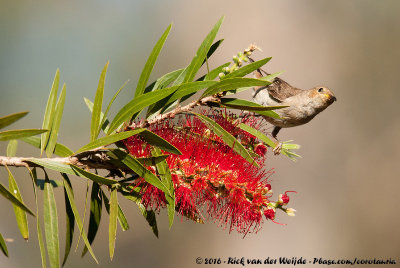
279,89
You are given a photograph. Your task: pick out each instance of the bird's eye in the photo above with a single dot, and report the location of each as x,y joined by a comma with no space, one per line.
320,89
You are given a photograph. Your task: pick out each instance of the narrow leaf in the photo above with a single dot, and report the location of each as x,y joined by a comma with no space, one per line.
60,149
72,170
138,104
227,138
78,218
155,140
38,224
56,123
92,176
202,53
3,246
165,80
95,214
98,102
48,114
247,68
121,216
213,48
148,67
215,72
11,118
251,106
155,159
109,140
20,214
103,117
7,194
286,147
165,175
20,133
70,222
138,168
12,148
233,83
112,227
149,215
51,224
182,91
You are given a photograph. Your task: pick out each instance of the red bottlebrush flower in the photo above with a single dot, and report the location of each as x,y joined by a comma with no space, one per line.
260,149
210,175
269,213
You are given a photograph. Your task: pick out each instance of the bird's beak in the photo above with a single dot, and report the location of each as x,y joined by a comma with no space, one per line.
330,97
333,98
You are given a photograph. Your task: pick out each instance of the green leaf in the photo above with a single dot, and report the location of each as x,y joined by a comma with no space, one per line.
137,104
60,149
103,117
165,80
51,224
71,169
182,91
49,113
155,140
3,245
138,168
78,218
144,76
251,106
149,215
165,175
268,78
286,147
56,123
98,102
70,221
148,161
112,227
95,214
20,214
92,176
109,140
38,224
121,216
201,53
233,83
247,69
12,148
11,118
212,49
215,72
20,133
227,138
7,194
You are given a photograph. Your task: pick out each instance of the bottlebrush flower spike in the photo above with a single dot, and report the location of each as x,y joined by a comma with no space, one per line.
209,175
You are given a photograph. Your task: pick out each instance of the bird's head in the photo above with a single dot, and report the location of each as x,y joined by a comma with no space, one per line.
322,96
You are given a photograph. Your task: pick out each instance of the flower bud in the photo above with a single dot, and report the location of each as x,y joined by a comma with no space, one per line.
290,212
269,213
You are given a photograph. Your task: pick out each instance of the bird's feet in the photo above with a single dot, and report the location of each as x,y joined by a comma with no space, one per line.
278,148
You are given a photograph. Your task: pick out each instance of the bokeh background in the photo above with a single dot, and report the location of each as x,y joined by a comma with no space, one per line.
348,178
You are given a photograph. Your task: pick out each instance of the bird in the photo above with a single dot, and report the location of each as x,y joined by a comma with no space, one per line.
303,104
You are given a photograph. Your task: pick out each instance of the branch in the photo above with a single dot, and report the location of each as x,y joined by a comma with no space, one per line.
97,161
174,112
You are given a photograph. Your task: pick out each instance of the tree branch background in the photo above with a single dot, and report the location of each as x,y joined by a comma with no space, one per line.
347,201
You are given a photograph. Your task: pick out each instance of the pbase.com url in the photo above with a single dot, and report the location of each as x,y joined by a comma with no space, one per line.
292,261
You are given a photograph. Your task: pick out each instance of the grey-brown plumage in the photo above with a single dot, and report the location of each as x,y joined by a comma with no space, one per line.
304,105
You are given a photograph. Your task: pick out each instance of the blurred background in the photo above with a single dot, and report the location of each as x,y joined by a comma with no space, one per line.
347,179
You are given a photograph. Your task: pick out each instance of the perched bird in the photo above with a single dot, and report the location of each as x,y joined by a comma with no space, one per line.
304,105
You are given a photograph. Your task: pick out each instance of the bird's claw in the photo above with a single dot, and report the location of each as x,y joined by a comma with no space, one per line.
278,148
